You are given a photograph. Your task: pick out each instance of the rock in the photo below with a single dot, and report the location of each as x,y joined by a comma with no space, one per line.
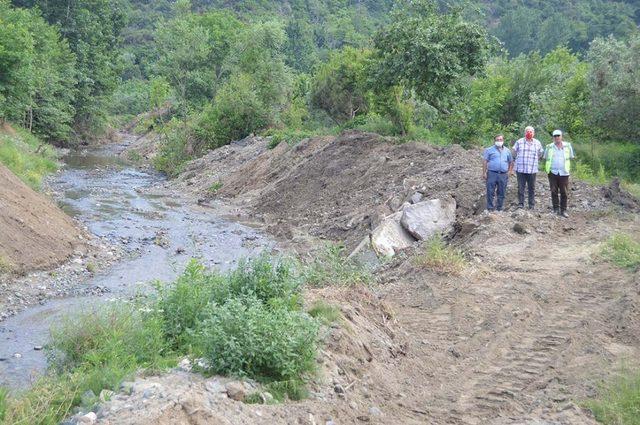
520,229
105,395
214,386
185,365
415,198
38,347
365,255
374,411
390,236
424,219
88,398
89,418
127,388
17,355
236,391
338,389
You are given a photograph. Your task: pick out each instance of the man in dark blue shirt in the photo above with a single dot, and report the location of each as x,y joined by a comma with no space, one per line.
497,166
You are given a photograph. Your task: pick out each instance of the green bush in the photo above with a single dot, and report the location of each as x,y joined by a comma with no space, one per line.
291,136
619,401
176,148
245,337
623,251
325,313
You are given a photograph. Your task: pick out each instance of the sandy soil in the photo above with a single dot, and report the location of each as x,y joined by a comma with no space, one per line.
522,336
34,233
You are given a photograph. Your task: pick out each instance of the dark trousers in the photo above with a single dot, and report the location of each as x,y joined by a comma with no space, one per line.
559,184
529,180
496,181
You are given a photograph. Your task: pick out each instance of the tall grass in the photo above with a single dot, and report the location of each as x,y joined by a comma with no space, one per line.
441,258
27,157
618,403
330,266
622,250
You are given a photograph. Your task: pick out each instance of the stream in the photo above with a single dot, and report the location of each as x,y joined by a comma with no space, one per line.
161,234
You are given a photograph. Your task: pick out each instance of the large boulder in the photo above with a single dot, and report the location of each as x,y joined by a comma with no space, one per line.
390,236
424,219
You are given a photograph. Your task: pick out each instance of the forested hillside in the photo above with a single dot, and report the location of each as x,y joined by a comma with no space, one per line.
446,72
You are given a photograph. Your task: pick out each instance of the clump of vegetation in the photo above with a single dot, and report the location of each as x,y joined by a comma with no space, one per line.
441,258
3,402
215,187
292,137
623,251
27,157
584,172
325,313
332,267
619,401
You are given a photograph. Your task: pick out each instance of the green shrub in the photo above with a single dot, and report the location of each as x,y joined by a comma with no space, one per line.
331,266
618,403
245,337
623,251
291,136
176,148
584,172
215,187
440,257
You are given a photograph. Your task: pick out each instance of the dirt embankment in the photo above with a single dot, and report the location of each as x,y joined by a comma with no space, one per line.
522,336
34,232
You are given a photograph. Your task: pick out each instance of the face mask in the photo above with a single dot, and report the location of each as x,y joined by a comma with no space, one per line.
528,135
499,144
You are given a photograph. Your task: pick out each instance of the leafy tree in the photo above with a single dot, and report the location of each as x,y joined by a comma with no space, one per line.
614,83
340,87
183,59
429,53
92,28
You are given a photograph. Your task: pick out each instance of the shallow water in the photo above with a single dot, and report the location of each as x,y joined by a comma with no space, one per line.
161,235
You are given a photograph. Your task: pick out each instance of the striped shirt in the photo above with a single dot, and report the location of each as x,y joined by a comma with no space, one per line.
527,154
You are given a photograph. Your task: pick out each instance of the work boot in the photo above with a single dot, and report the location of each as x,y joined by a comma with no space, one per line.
556,210
564,214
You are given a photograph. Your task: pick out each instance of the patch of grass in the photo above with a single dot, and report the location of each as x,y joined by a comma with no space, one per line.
622,250
134,156
618,402
584,172
441,258
215,187
91,267
294,389
632,188
4,393
332,267
5,265
291,136
27,157
325,313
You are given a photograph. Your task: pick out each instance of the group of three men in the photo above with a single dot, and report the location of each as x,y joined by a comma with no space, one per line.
499,163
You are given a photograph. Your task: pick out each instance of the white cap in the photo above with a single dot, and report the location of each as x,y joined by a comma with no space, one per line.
557,133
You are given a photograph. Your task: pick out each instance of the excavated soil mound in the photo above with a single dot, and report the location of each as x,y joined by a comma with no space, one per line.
34,233
340,188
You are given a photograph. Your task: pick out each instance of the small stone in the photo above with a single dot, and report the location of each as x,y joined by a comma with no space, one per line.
364,418
215,386
329,422
89,418
374,411
38,347
185,365
520,229
236,391
338,389
416,197
88,398
127,388
17,355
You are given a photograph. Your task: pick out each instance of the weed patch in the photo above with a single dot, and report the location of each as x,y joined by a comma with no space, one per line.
325,313
27,157
441,258
215,187
331,267
618,402
623,251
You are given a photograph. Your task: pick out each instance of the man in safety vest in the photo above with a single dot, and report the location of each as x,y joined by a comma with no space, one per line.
558,156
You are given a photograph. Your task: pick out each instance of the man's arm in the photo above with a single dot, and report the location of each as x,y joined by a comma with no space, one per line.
484,168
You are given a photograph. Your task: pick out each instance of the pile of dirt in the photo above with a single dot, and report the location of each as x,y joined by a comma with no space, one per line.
34,232
340,188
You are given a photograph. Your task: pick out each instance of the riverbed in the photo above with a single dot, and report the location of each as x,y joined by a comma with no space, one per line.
160,233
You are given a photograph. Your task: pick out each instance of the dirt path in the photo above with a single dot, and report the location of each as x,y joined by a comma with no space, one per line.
521,340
